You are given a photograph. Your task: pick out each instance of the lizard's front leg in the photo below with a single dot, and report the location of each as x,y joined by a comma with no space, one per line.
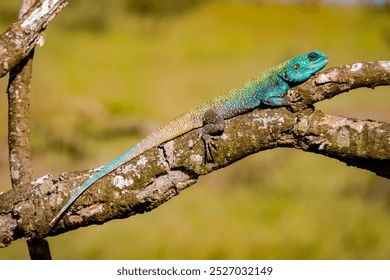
213,127
276,94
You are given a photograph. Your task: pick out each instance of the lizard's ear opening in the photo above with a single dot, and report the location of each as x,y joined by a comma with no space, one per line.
291,74
285,76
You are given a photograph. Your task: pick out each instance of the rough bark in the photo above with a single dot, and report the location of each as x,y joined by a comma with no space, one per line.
163,172
19,148
19,39
16,55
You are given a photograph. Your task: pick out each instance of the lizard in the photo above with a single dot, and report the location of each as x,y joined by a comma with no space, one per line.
268,88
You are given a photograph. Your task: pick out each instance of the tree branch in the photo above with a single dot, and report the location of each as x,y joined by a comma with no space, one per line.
163,172
338,80
18,92
361,143
19,133
19,39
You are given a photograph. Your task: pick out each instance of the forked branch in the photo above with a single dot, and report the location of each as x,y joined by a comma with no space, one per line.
163,172
22,36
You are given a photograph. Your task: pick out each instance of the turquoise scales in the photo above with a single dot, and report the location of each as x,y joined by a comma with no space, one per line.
268,88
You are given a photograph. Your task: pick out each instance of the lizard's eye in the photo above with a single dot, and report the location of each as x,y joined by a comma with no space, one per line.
297,66
312,56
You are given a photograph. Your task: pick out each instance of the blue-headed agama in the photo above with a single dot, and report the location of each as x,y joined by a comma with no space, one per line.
269,88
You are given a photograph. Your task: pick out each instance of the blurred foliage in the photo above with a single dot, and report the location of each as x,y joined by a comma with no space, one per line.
112,71
93,21
9,11
160,8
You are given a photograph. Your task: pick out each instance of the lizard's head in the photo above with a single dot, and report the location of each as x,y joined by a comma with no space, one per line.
300,68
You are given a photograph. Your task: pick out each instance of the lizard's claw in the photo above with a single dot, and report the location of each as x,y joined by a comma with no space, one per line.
209,145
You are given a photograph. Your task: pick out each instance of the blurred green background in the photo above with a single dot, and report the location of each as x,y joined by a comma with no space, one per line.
112,71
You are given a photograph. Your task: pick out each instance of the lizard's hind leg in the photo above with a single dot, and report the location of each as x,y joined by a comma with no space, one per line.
212,129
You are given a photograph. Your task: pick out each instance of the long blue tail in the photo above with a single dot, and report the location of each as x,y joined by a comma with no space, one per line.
101,173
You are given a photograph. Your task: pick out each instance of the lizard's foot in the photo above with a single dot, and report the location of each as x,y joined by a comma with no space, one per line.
209,145
213,127
276,101
293,96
